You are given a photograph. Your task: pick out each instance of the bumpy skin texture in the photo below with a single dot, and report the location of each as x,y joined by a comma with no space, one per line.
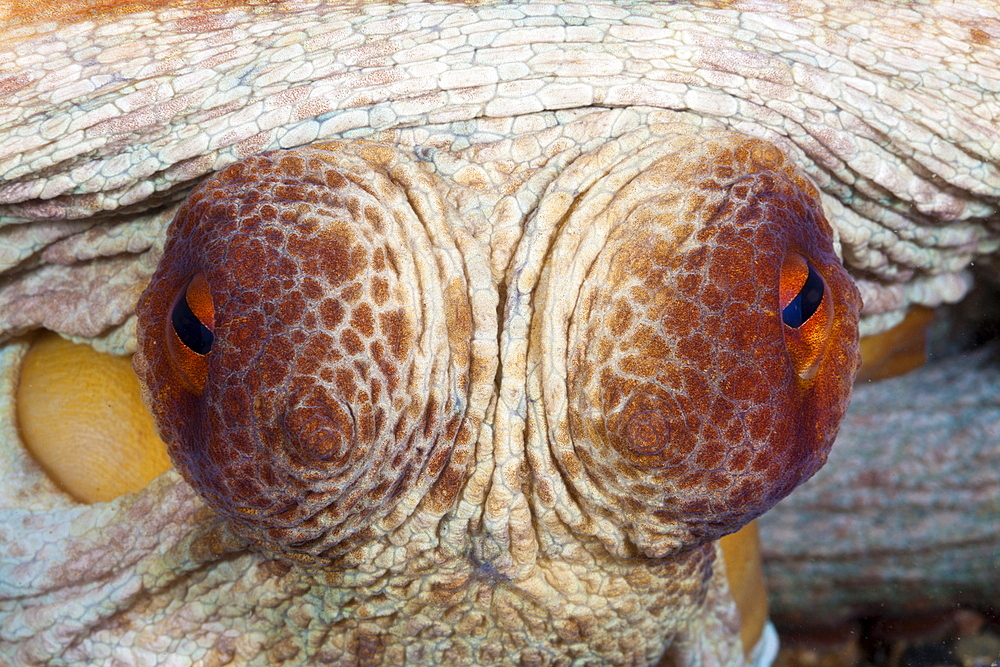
890,111
340,400
338,381
661,427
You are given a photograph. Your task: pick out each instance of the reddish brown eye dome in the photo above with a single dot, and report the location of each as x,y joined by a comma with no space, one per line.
303,384
712,342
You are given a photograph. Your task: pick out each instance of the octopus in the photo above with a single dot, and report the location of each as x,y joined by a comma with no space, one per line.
471,329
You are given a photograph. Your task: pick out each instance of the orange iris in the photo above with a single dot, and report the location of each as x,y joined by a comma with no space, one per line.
807,312
190,331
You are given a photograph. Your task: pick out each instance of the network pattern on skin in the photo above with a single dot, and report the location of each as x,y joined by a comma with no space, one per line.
523,129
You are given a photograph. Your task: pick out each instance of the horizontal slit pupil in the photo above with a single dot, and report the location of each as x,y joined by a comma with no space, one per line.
806,302
195,335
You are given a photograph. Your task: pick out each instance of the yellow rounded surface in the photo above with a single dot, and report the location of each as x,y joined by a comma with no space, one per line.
741,553
81,416
899,350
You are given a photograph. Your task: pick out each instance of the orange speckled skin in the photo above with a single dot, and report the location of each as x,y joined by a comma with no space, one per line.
687,415
315,420
681,414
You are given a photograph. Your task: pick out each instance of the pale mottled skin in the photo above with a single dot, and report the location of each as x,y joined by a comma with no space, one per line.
892,112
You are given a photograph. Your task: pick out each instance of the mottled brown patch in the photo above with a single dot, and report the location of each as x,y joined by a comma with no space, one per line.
339,261
621,318
332,313
379,287
362,320
378,260
397,332
373,216
12,84
979,37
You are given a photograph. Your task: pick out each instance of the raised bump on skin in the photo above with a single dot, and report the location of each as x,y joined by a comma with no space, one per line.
693,404
312,390
81,416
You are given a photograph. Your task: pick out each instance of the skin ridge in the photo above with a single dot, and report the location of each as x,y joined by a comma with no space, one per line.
919,258
918,262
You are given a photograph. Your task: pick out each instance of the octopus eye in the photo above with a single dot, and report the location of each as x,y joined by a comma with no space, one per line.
805,303
190,332
807,312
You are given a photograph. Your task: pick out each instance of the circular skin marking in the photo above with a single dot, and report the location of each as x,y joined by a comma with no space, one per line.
298,393
712,343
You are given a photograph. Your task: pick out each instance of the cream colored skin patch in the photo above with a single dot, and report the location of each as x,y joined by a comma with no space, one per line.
82,418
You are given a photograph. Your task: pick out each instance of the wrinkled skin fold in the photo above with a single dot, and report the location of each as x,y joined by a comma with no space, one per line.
524,115
339,406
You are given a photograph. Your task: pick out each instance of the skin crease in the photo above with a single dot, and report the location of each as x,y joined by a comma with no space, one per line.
72,288
294,473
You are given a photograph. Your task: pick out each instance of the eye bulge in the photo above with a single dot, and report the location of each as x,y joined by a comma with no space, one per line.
712,344
296,353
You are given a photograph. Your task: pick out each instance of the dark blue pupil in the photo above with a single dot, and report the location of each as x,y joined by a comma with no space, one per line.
189,328
801,308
